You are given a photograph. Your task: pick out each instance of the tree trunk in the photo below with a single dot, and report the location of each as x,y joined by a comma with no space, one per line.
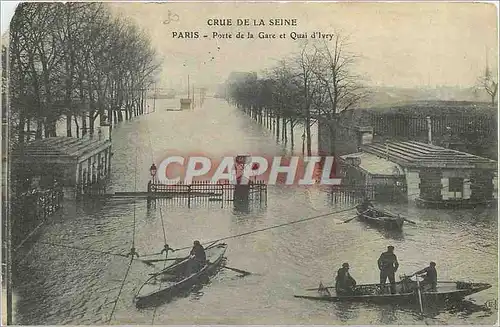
39,129
308,135
84,125
277,129
77,126
91,122
285,131
110,116
68,125
28,130
120,115
291,135
20,129
333,143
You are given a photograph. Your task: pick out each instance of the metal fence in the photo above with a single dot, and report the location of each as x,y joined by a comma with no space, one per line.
29,209
205,191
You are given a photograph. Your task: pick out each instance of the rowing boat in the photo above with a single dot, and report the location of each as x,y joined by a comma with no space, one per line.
381,218
445,291
177,277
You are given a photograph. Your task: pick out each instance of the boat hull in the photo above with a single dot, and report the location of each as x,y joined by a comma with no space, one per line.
382,220
153,292
445,292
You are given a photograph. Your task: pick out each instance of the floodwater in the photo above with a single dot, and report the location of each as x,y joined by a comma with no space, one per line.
56,285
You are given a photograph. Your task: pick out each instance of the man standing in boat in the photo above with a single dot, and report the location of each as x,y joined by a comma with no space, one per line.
430,278
344,283
198,257
388,265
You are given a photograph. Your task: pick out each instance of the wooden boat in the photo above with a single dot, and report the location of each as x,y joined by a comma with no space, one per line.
381,218
177,277
406,293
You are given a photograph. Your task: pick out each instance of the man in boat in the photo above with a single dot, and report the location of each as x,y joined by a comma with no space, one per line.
344,283
388,265
430,276
198,257
365,205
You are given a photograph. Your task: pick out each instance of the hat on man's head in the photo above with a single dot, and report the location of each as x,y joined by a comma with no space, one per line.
390,247
345,264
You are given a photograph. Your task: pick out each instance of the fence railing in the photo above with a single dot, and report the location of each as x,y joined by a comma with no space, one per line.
29,209
223,191
352,193
399,125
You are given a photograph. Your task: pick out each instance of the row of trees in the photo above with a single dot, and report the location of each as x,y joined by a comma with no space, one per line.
312,85
76,61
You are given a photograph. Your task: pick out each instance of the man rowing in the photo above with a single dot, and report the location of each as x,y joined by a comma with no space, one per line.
388,265
344,283
198,257
430,276
364,206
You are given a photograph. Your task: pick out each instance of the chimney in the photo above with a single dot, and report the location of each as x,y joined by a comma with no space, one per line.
429,130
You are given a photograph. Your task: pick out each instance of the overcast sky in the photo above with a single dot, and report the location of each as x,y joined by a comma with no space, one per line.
399,44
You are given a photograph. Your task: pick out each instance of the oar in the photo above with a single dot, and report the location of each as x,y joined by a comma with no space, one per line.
398,215
159,260
146,262
409,221
238,270
348,220
419,296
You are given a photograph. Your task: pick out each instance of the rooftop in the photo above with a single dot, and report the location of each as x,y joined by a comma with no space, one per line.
417,154
62,149
374,165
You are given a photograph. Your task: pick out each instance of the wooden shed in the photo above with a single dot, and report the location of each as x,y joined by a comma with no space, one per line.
75,163
386,178
439,176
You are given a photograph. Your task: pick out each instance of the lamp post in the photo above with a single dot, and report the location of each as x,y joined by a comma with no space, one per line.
152,171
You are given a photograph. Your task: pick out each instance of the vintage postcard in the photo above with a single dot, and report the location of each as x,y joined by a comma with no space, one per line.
246,163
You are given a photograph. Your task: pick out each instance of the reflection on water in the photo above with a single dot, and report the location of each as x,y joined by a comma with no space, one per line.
387,314
346,311
66,286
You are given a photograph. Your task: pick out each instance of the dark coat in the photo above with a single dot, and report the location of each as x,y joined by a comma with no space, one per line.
344,280
431,274
388,262
199,253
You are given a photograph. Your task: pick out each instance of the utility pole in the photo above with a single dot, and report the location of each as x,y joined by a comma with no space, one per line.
8,249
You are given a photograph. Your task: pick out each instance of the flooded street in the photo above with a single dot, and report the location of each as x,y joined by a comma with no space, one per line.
56,285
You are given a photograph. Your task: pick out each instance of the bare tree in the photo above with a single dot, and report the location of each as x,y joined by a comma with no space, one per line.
489,83
75,60
306,64
285,95
340,87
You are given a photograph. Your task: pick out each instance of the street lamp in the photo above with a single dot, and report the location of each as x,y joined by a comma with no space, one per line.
153,171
